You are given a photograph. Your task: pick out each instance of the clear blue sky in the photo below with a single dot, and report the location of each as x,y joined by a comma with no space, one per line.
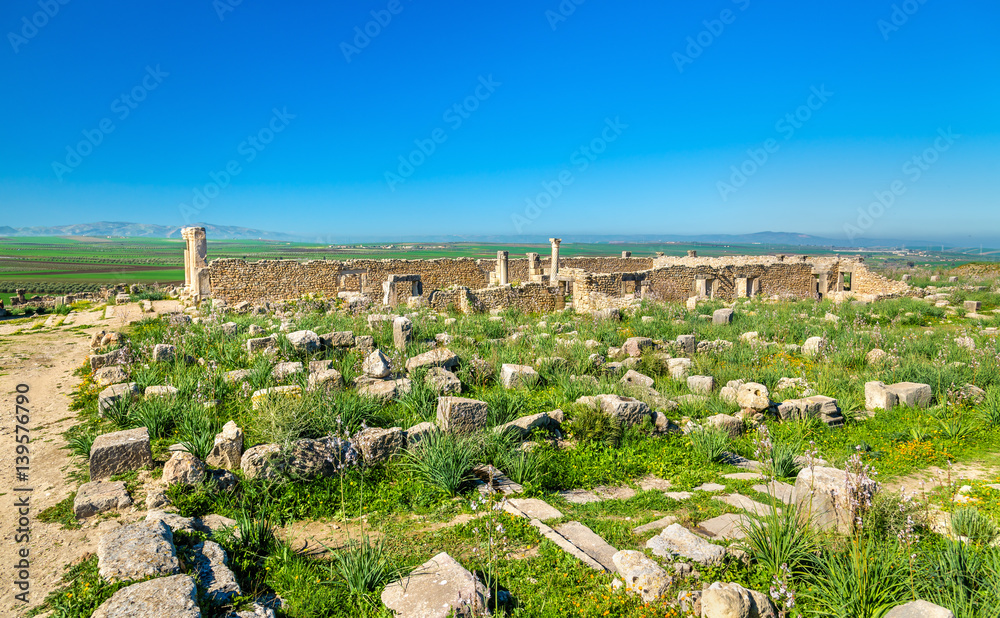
670,116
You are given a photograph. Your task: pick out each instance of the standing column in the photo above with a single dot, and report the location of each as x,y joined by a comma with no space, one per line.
502,257
554,271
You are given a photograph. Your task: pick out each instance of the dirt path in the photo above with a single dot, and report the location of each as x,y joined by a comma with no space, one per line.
44,359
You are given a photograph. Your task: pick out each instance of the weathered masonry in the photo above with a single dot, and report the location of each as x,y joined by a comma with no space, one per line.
532,283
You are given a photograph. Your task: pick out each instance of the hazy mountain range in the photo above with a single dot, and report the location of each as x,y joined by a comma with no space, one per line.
228,232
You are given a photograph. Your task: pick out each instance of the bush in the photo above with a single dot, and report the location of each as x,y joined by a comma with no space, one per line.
443,461
593,425
967,521
778,538
363,567
709,443
865,582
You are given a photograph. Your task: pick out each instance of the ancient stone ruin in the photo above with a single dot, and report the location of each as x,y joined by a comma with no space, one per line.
532,283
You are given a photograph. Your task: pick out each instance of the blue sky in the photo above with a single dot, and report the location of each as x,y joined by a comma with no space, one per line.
410,117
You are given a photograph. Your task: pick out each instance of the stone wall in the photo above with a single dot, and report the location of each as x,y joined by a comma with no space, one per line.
529,298
597,282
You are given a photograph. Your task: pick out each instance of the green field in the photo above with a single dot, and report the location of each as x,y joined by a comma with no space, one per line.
74,264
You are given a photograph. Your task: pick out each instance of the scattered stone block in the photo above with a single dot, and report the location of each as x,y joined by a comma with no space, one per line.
518,376
217,581
327,379
275,393
436,589
402,332
377,445
912,394
116,394
782,492
174,596
972,305
121,451
578,496
442,381
687,343
753,396
679,368
641,575
257,461
238,375
283,371
634,378
100,496
136,551
339,339
304,341
730,424
460,415
524,426
919,609
160,391
722,316
734,601
415,434
111,374
814,346
227,451
438,357
676,540
879,397
164,353
261,344
635,345
376,365
820,491
183,468
386,389
701,384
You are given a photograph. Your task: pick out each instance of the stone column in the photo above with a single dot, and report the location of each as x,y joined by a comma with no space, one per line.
194,258
692,253
554,270
626,254
502,257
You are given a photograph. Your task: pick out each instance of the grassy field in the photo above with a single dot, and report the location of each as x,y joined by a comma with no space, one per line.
59,265
406,507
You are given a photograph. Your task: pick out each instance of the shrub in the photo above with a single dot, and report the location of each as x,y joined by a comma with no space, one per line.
443,461
864,582
363,567
594,425
709,443
990,408
778,538
967,521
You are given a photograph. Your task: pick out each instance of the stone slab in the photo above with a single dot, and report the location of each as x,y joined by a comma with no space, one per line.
658,524
777,489
531,508
727,527
589,542
742,502
578,496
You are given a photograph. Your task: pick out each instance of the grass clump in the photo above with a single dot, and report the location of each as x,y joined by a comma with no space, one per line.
443,461
709,443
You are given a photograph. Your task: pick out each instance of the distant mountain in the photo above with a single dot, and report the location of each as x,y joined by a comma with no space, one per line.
145,230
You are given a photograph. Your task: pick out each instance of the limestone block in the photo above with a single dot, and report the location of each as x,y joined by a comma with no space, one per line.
460,415
121,451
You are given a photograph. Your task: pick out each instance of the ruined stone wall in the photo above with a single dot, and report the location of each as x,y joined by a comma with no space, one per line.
434,274
518,268
866,282
529,298
234,280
